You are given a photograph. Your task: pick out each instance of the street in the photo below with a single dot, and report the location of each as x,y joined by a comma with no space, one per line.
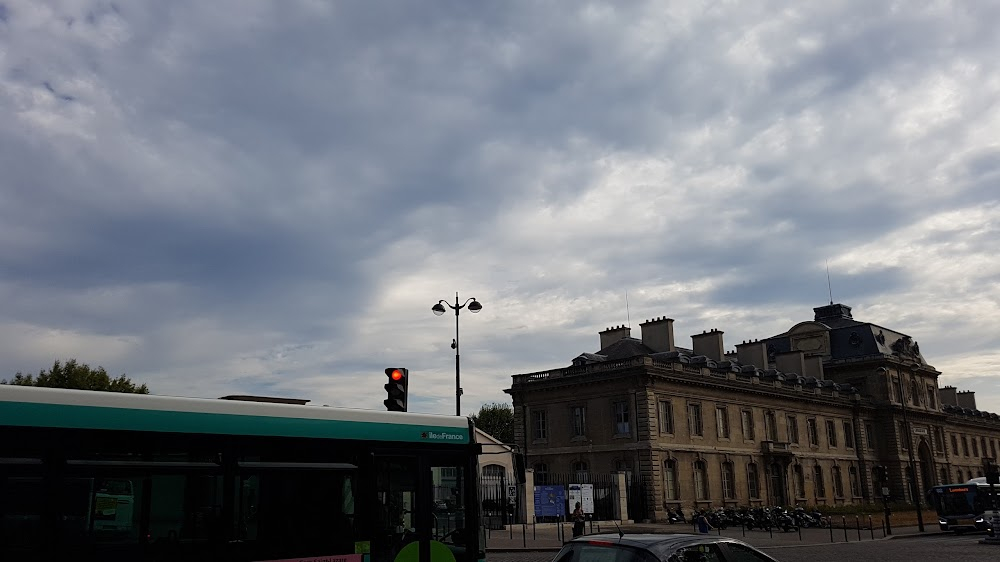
904,549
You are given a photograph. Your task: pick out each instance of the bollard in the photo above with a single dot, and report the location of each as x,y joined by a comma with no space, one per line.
534,531
857,522
770,531
831,531
511,527
843,521
870,527
524,535
744,527
883,529
799,527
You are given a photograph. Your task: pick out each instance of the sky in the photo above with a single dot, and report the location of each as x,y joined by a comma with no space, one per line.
248,197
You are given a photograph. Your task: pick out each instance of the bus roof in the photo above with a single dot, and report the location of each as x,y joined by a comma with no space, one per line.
22,406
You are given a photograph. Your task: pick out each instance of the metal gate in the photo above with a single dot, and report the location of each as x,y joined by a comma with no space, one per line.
637,499
501,501
604,491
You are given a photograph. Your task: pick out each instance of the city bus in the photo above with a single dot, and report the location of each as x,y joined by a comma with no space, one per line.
88,475
962,507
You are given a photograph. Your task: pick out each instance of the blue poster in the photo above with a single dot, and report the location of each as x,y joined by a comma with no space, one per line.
550,501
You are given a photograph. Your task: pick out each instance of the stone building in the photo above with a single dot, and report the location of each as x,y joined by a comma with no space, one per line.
801,418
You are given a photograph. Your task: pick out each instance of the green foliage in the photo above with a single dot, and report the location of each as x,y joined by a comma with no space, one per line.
497,420
78,376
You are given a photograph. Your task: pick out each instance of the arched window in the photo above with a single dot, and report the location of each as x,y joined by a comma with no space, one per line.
494,471
818,478
838,482
541,473
728,481
800,481
670,488
915,392
700,481
753,481
580,472
852,473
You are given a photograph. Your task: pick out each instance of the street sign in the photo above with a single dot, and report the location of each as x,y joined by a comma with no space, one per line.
512,491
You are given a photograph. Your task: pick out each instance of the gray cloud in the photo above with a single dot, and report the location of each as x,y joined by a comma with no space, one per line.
235,197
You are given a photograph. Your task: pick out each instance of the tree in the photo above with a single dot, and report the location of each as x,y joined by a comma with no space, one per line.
79,376
497,420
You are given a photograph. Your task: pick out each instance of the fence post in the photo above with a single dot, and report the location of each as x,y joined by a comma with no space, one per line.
857,521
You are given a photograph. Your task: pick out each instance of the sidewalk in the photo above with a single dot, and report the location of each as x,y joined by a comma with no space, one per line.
548,536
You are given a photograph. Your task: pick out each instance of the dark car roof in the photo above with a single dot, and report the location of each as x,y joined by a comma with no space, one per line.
657,543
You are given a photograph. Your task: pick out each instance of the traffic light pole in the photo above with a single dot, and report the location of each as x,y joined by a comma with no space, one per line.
458,365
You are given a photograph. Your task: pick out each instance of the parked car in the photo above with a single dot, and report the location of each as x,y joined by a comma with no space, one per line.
659,548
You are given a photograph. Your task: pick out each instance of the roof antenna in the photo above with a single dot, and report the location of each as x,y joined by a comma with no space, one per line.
828,284
628,317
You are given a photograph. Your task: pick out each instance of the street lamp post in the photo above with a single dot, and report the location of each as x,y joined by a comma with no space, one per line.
909,440
439,309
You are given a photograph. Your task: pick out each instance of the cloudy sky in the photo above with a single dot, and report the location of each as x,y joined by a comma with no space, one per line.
268,197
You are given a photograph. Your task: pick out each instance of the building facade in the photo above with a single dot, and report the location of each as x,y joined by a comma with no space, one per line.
801,418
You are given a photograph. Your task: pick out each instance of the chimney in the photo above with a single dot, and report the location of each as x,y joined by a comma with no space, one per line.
752,353
709,344
791,362
658,334
612,335
948,395
967,399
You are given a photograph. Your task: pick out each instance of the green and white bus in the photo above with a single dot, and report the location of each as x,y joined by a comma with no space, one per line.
106,476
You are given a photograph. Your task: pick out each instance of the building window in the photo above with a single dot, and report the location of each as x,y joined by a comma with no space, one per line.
818,478
993,449
541,473
938,441
870,436
540,424
838,482
666,417
793,429
965,445
746,418
722,422
931,396
579,421
903,437
580,472
753,481
894,389
800,481
848,435
944,475
728,481
831,433
852,473
975,447
700,481
694,420
670,479
770,426
622,425
983,441
813,432
954,445
915,392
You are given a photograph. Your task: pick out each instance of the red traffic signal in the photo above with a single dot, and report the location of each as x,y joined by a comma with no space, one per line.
396,389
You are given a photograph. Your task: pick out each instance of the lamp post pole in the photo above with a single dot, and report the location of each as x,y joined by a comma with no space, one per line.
438,309
913,464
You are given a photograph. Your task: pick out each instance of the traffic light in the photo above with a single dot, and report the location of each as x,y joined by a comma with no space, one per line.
396,389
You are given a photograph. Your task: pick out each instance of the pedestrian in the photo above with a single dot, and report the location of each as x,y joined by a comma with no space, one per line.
578,519
703,525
